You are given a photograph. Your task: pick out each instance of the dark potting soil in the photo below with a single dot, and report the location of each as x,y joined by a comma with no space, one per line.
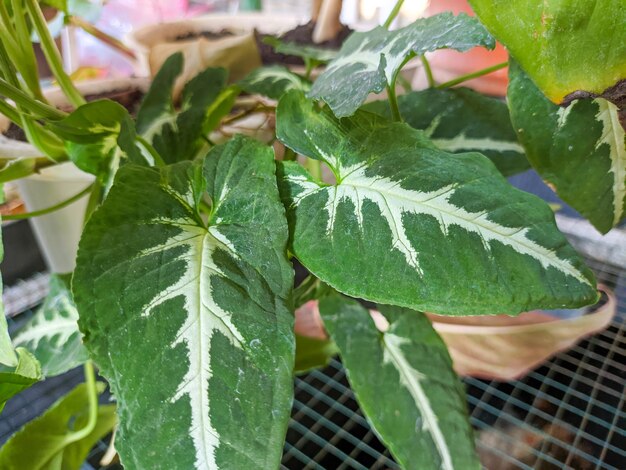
211,35
302,34
130,99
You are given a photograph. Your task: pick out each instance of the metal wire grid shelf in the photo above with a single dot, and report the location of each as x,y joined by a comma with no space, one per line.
570,413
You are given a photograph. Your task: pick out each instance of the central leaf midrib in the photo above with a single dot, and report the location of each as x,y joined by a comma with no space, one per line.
419,396
451,215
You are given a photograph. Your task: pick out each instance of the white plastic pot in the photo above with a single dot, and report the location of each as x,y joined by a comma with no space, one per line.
58,233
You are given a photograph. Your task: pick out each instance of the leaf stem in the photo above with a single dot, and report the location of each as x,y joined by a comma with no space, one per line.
50,209
102,36
9,111
428,71
469,76
315,168
52,55
393,102
393,14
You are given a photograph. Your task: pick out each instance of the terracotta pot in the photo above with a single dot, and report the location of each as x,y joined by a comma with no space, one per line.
494,347
58,233
449,64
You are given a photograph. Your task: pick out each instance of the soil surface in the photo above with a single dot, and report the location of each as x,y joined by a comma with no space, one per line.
302,34
130,99
211,35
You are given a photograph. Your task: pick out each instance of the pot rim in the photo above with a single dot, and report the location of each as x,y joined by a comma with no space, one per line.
608,308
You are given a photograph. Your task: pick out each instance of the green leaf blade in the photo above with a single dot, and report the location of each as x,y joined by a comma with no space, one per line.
273,81
206,305
43,441
26,373
461,120
410,225
52,335
580,149
405,384
370,61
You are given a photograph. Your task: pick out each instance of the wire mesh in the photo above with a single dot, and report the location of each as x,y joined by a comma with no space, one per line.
570,413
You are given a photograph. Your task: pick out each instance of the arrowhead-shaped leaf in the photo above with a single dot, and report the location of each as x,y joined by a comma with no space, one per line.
190,324
52,334
580,149
410,225
26,373
44,444
273,81
564,46
461,120
370,61
178,133
405,384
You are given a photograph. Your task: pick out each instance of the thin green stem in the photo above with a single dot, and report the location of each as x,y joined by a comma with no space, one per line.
95,197
102,36
315,168
393,14
92,397
393,103
428,71
51,52
32,105
9,111
469,76
48,210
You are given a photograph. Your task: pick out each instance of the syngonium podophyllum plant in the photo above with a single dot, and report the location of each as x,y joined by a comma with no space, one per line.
183,289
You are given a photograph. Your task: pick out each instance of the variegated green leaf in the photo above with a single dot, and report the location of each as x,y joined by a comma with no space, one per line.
580,150
45,443
319,55
410,225
370,61
461,120
14,380
273,81
405,384
565,46
203,303
52,334
177,133
99,137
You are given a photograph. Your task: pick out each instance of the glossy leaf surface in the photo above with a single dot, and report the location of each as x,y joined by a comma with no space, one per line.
410,225
368,62
177,133
564,45
202,303
44,444
273,81
580,150
405,384
461,120
52,334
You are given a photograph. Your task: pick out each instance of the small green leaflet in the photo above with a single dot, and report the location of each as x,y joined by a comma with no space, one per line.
580,149
370,61
178,133
405,384
408,224
99,137
318,55
43,443
192,316
461,120
52,334
26,373
565,46
273,81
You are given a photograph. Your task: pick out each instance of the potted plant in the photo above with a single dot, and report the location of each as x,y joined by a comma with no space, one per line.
183,288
